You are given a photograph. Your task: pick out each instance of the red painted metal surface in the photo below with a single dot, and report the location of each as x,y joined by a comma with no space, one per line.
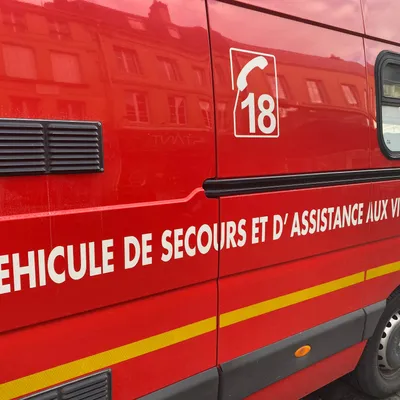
272,282
380,19
341,13
74,338
319,129
157,155
143,68
280,209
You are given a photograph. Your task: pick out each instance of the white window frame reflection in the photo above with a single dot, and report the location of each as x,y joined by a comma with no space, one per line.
175,117
314,92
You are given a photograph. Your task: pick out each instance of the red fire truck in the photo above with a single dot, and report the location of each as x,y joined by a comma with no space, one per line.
200,199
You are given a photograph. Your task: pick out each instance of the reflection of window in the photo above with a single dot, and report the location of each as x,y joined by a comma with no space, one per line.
315,91
19,61
14,20
24,107
350,93
59,29
205,107
136,107
127,60
177,110
221,115
200,76
174,33
65,67
219,75
74,110
171,69
136,24
282,94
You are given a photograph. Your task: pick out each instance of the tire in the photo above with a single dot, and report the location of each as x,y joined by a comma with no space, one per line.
378,371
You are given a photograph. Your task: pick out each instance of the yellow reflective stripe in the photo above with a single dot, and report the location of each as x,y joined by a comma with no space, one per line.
64,372
255,310
383,270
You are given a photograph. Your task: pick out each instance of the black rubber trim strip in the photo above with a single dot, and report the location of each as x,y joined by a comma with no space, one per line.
252,372
203,386
233,186
373,314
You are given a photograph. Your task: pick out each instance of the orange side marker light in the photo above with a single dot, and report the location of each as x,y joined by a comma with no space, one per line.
302,351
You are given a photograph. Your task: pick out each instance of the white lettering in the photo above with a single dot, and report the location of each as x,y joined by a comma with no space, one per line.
4,274
128,242
167,246
53,274
108,255
147,249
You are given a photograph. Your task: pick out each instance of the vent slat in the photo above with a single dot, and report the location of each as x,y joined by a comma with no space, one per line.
16,163
77,126
75,140
74,151
21,150
21,138
75,157
21,157
22,170
71,168
77,162
22,144
73,133
17,124
74,145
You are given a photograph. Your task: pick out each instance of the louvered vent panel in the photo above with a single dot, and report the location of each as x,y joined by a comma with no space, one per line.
74,147
94,387
22,148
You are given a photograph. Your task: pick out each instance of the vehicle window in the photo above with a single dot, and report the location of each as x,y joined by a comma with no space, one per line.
388,103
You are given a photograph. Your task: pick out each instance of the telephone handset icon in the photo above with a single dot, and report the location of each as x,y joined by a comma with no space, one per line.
257,62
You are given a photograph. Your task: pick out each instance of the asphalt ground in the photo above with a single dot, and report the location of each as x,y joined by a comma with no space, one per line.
341,390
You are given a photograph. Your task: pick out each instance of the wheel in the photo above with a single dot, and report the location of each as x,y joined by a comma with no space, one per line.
378,372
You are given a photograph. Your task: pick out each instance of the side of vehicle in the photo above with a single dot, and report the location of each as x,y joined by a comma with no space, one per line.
198,198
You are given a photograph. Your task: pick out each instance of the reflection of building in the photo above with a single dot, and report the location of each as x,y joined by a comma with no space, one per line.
43,71
314,92
148,81
303,80
64,59
81,61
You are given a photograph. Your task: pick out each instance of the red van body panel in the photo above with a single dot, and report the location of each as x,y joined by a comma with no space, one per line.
340,14
131,66
142,269
380,21
144,188
323,136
